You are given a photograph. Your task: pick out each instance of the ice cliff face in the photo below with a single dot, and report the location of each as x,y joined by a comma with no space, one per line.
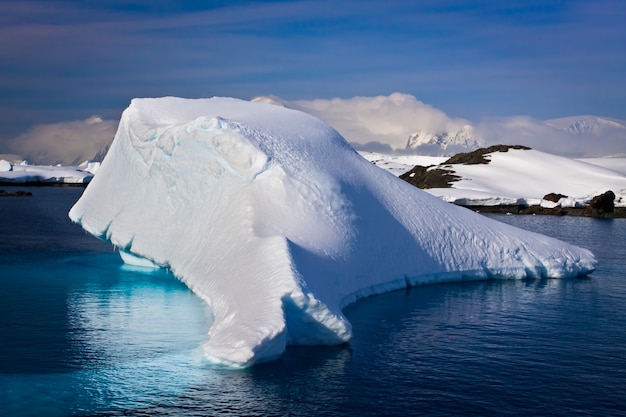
274,220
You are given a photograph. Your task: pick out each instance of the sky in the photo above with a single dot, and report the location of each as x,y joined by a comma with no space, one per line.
68,61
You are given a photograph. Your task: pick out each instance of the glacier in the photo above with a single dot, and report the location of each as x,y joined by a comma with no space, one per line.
273,219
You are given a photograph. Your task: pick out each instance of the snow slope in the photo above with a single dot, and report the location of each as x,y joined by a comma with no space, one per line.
399,164
526,176
272,218
614,164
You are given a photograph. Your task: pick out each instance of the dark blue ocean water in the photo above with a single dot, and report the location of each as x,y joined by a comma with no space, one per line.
82,335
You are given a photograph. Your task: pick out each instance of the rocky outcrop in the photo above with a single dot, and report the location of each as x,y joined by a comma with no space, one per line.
478,156
443,175
554,197
602,205
430,177
20,193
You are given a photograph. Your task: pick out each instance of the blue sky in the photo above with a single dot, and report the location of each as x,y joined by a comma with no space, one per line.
68,60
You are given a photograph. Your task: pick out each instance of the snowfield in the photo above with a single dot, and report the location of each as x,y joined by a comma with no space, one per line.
272,218
614,164
399,164
525,176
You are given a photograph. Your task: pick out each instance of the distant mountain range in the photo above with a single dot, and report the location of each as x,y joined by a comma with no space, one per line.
593,125
445,142
566,133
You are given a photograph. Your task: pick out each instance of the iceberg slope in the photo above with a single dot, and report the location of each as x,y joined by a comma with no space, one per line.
275,221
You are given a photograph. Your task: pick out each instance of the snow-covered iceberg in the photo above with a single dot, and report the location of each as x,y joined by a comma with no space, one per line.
272,218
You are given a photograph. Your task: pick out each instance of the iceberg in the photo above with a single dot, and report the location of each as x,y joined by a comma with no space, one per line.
273,219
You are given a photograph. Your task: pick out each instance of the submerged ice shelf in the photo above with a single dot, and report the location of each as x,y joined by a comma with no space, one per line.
274,220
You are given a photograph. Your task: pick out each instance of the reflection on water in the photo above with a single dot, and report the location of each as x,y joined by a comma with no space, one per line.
81,332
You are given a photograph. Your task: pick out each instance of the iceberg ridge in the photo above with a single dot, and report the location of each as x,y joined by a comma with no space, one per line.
277,223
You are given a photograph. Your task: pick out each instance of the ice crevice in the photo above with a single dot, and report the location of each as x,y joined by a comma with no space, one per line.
270,217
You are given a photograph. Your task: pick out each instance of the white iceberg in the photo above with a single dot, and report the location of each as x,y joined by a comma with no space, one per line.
274,220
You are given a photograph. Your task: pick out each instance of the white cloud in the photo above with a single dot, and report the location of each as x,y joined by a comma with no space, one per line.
67,143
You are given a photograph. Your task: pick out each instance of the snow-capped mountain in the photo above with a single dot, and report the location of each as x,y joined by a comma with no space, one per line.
445,142
582,125
573,136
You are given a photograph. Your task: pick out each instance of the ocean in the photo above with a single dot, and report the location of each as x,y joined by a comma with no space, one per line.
83,335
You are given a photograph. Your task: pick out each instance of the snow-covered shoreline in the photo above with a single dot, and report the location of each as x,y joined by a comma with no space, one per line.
25,174
517,181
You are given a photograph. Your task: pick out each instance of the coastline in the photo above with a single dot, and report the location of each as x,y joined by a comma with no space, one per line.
14,188
42,184
618,212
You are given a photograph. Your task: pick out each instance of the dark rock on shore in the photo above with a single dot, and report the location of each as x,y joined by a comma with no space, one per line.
423,177
42,184
4,193
602,205
554,197
618,213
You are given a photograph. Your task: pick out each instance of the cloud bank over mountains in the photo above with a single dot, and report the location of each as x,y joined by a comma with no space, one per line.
401,123
381,123
398,123
560,136
66,143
